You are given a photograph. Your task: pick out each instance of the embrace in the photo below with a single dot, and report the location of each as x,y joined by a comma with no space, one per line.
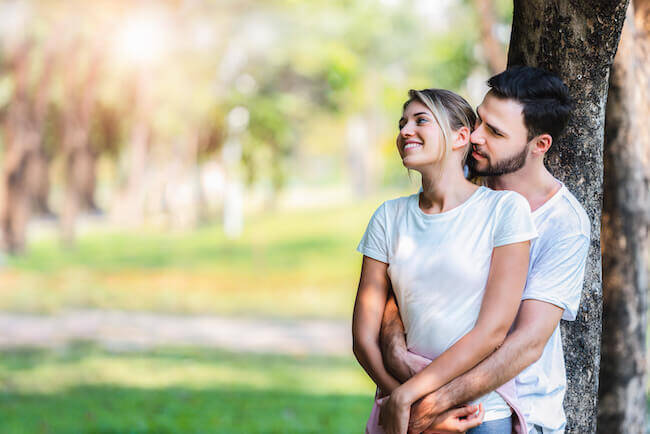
463,284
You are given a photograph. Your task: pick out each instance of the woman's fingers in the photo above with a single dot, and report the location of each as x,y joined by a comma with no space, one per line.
464,411
474,419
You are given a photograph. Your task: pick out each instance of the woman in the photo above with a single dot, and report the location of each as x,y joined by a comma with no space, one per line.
456,255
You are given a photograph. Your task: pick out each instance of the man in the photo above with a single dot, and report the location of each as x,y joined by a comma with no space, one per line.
519,117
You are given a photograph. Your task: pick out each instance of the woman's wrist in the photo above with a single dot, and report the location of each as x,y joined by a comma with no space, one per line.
403,396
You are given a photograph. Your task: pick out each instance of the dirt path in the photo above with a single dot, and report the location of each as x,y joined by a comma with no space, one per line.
136,330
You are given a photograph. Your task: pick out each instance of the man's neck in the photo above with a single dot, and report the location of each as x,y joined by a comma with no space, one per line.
535,183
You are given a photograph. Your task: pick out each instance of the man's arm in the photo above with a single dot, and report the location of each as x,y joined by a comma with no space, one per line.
392,340
535,323
401,363
366,322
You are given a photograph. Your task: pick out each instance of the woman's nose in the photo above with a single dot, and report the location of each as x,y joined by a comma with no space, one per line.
406,131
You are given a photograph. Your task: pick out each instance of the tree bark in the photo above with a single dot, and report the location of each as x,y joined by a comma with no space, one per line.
626,206
576,40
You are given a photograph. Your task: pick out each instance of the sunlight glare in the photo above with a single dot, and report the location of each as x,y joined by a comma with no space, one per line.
143,38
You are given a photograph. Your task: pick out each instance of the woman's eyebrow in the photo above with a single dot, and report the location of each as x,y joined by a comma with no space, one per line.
421,113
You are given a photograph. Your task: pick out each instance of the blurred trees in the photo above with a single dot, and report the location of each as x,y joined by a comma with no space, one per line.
125,107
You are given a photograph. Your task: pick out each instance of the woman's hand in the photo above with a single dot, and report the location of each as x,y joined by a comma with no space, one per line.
394,414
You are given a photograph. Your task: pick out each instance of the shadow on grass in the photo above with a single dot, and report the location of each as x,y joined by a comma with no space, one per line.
292,400
28,357
118,409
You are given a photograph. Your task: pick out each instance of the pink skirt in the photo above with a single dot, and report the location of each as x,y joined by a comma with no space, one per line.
508,392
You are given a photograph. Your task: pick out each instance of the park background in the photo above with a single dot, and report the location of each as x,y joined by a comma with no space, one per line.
194,178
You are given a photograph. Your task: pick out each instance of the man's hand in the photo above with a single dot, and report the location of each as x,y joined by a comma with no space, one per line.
456,420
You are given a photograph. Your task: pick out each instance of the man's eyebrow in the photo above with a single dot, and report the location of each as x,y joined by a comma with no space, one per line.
492,127
496,130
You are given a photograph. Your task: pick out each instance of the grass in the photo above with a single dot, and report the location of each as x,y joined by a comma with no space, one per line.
85,389
286,264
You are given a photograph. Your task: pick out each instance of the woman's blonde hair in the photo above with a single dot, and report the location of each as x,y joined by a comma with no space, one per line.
450,111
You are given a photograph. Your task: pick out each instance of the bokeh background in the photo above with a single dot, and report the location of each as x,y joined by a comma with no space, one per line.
184,184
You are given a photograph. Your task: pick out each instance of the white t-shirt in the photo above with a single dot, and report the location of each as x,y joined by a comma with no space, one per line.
555,275
438,265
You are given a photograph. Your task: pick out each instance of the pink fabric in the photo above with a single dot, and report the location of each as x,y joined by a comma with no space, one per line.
508,392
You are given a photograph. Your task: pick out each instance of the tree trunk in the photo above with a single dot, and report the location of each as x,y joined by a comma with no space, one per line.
38,183
23,132
577,40
626,206
129,204
76,145
493,49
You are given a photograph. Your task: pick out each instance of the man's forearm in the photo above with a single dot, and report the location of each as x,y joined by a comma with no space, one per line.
393,341
504,364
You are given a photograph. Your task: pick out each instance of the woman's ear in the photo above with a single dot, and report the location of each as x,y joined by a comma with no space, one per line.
461,138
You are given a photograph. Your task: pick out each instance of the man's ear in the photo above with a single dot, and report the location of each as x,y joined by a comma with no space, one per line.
541,144
462,138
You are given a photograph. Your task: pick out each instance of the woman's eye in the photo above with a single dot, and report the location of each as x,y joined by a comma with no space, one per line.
422,120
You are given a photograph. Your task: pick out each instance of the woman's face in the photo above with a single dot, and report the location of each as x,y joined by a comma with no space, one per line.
419,140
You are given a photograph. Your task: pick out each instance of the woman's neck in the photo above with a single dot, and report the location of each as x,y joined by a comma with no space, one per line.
443,190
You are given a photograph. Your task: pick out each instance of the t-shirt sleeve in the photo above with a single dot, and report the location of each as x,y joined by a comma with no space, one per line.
514,222
557,274
374,242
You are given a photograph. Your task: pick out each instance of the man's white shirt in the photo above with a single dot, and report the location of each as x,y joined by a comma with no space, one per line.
555,275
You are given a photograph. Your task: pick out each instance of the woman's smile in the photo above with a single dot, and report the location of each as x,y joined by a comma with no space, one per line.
412,145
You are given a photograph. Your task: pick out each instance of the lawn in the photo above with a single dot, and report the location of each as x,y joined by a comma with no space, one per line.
286,264
85,389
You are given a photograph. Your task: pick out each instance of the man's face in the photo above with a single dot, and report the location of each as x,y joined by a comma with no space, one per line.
500,139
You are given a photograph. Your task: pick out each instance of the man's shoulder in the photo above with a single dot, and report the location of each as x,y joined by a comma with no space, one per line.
563,217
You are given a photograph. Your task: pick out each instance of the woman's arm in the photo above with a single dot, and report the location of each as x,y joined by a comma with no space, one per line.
366,322
505,285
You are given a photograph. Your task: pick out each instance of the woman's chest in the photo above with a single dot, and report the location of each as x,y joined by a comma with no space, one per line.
442,257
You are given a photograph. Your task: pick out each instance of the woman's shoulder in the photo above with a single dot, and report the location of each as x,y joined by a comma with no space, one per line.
502,195
504,198
393,206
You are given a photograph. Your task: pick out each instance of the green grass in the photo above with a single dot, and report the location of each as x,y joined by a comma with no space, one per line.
297,264
180,390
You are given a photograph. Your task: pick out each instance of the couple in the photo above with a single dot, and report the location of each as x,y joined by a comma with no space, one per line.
482,275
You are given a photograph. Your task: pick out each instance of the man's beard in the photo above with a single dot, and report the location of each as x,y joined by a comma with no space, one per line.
508,165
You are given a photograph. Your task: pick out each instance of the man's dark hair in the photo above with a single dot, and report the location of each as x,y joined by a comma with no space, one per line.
545,98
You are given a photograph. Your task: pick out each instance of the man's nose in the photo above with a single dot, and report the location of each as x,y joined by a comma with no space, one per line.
477,137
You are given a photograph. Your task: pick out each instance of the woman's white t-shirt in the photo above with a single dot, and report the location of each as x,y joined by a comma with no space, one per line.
438,265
